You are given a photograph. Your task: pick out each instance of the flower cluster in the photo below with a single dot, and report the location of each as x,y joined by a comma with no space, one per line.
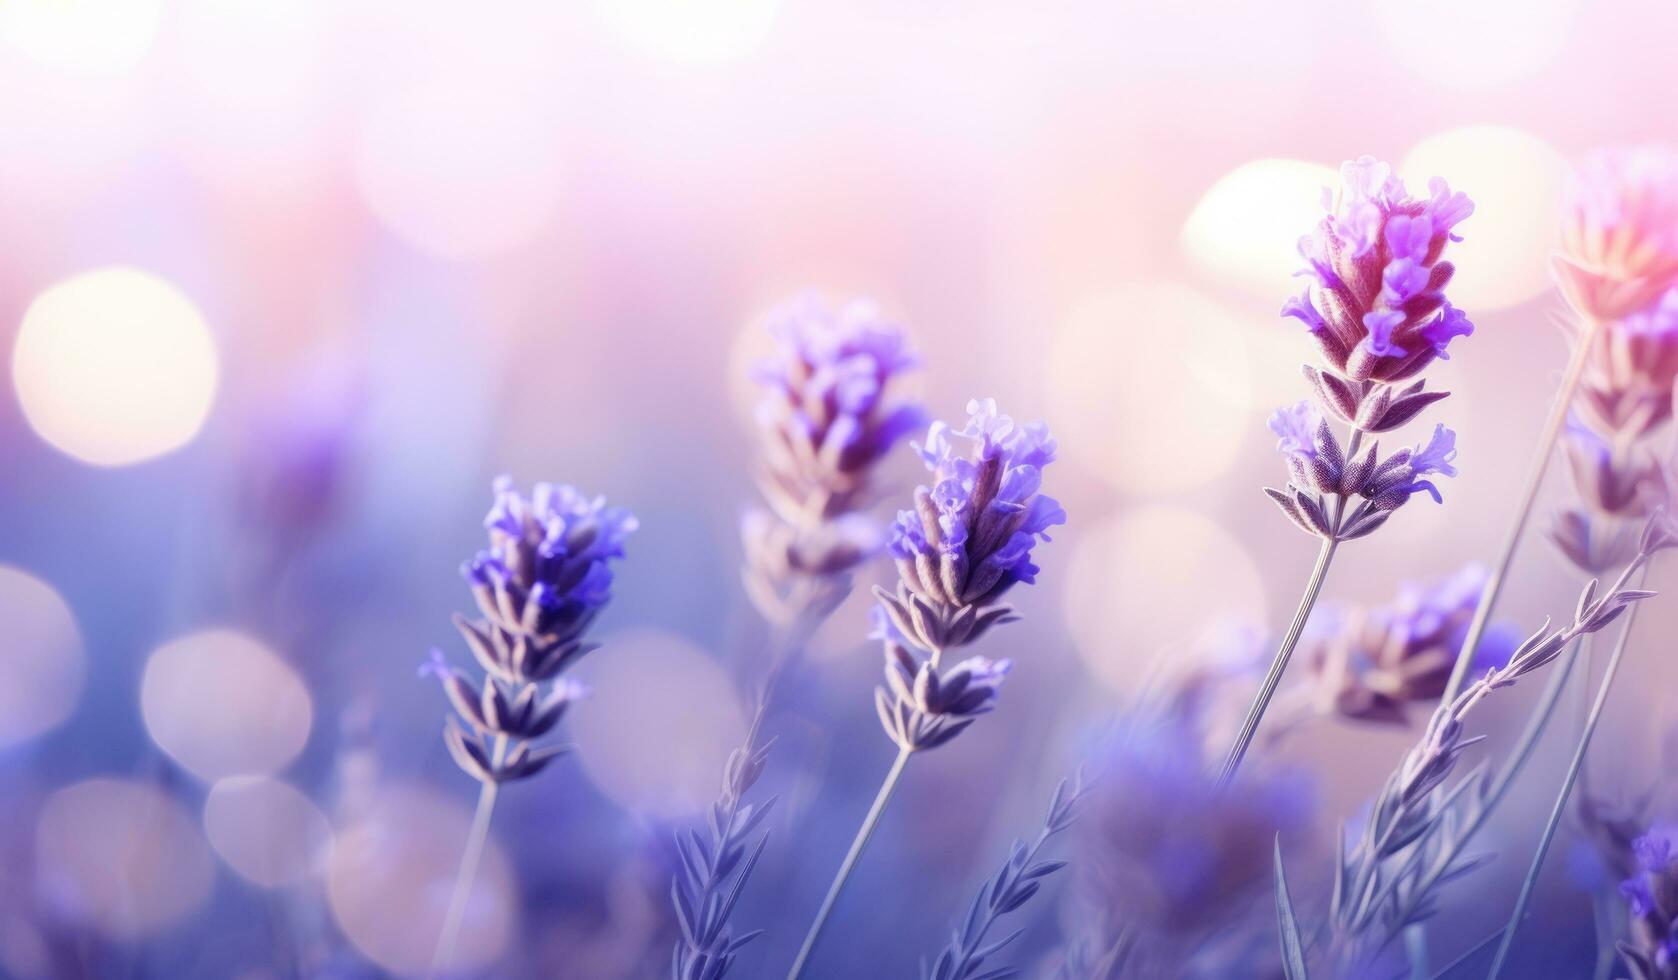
1319,468
830,412
544,578
1618,485
967,542
1376,308
1652,897
1620,232
1627,386
1370,664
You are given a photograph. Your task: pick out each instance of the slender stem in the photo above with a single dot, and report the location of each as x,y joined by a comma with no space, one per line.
469,858
1560,806
863,834
1415,947
1249,725
1535,479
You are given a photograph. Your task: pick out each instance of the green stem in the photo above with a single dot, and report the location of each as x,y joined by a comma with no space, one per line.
866,831
1560,805
1512,538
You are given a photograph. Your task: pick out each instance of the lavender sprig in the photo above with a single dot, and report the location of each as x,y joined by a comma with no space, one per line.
966,543
1651,894
1416,830
1013,885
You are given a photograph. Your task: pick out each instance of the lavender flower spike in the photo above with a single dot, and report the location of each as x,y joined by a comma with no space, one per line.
832,409
1651,894
1620,231
969,538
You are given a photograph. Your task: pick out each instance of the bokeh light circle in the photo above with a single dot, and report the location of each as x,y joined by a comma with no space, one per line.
1475,45
391,874
121,857
1516,182
659,725
1245,229
457,170
1150,387
222,704
266,830
690,31
115,366
42,661
1155,580
90,37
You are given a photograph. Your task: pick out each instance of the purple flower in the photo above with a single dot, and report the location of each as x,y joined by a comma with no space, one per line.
1376,303
542,581
1627,386
921,707
1651,892
1620,231
971,534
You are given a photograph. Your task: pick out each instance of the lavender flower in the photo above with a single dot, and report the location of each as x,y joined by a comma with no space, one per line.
1651,894
921,708
1370,664
714,870
1318,468
1626,388
831,411
969,538
1619,484
1376,304
544,578
1620,235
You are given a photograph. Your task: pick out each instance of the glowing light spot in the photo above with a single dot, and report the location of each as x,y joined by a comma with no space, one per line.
1149,387
1475,45
660,723
391,873
121,857
42,663
459,171
1245,230
1516,181
691,31
92,37
221,704
1140,584
266,830
114,366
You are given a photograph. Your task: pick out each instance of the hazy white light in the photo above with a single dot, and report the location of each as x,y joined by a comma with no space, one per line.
121,857
1479,44
221,704
1245,230
659,725
114,366
1516,181
96,37
691,31
1149,386
391,874
41,658
459,171
266,830
1153,580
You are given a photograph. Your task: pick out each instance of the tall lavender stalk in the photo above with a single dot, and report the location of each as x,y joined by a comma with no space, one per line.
1619,253
967,541
1013,885
544,578
1412,841
1377,311
1659,535
829,414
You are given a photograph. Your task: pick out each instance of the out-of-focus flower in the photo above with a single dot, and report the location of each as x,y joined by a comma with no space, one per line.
1620,232
1627,386
1168,856
1376,304
1619,484
1318,468
831,410
1651,894
544,578
969,538
1369,664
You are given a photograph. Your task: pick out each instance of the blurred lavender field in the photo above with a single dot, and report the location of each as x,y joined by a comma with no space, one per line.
286,286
